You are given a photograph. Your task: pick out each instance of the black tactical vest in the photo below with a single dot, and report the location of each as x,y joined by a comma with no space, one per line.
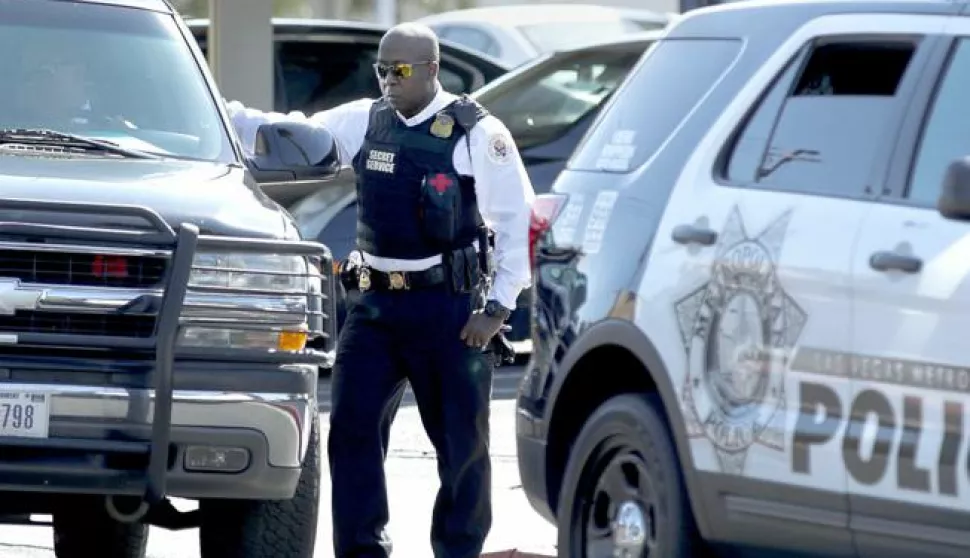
411,203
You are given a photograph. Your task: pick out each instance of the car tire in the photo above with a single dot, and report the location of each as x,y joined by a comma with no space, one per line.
623,468
270,529
83,529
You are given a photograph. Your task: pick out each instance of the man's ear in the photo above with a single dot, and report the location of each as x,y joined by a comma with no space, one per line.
433,69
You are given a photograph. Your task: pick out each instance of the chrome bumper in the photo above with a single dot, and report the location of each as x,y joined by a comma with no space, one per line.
283,419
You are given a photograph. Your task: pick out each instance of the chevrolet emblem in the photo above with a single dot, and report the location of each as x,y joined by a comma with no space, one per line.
13,297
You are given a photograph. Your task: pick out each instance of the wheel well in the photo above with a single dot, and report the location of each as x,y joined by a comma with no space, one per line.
586,388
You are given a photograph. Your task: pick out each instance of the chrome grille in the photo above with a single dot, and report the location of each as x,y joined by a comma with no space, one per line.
109,325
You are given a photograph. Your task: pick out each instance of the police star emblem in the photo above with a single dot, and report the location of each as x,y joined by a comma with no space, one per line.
443,125
739,331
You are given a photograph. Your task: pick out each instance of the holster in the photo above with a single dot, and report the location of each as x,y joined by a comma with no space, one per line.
349,270
500,347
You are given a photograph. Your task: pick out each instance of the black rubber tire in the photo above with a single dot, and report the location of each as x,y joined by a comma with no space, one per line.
271,528
83,529
630,425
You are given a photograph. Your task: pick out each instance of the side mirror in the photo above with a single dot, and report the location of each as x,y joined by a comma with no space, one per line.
294,152
954,201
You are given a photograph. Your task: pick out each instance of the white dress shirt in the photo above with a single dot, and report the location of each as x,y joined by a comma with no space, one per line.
503,189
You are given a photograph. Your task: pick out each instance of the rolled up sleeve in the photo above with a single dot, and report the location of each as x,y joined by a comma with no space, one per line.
505,196
347,123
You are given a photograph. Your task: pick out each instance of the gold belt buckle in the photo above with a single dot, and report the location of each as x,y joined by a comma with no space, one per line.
363,279
396,279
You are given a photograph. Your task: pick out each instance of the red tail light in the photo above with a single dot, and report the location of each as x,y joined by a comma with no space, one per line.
105,267
544,211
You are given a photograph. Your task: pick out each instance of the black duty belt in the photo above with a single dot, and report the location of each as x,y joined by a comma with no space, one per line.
373,279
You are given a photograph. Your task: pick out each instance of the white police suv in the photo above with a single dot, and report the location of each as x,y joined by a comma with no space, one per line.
752,319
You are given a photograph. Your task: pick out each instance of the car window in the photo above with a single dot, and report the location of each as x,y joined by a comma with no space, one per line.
650,105
122,74
340,234
559,35
321,75
542,103
475,39
946,136
818,128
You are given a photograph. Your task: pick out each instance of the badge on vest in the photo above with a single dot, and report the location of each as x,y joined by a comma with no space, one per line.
380,161
442,126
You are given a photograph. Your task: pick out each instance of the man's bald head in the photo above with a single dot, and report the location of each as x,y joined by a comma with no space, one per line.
415,39
407,61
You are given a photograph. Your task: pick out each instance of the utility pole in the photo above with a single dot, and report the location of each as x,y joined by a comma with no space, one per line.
240,50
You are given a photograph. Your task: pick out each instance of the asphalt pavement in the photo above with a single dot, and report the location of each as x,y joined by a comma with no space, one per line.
412,481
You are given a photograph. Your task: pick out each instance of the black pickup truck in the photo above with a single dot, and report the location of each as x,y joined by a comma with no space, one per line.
161,320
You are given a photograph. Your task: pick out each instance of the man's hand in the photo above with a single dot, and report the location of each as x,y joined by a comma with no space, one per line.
480,329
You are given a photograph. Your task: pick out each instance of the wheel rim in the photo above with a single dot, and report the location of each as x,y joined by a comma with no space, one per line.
620,508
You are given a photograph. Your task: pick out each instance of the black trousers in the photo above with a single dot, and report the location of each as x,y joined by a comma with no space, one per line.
390,339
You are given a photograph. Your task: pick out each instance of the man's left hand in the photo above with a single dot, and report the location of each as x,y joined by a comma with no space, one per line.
480,329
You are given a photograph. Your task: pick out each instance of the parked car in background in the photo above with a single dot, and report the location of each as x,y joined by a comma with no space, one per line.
320,64
520,33
547,105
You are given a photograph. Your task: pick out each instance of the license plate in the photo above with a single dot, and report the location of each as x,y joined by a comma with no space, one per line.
24,414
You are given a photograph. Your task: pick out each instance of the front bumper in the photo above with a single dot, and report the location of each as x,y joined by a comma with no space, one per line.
99,439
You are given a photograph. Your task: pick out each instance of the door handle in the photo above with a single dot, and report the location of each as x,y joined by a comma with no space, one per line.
886,261
693,234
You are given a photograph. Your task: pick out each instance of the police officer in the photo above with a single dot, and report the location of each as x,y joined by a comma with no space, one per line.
432,171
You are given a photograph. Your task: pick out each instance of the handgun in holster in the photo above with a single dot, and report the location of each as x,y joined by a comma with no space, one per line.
498,345
348,272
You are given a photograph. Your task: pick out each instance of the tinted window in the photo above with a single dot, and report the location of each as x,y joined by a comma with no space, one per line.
947,134
474,39
122,74
318,76
656,98
542,103
818,128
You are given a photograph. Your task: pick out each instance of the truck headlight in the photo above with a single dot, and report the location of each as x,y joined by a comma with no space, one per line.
265,273
251,301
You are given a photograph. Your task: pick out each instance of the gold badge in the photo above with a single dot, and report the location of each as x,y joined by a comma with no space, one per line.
442,126
363,280
397,280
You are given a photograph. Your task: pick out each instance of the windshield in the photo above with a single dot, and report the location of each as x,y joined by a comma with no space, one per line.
120,74
546,100
562,35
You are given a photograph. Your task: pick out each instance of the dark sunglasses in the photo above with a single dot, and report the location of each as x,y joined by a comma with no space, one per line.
401,70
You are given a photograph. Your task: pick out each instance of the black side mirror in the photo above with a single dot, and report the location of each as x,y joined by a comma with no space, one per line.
294,152
954,201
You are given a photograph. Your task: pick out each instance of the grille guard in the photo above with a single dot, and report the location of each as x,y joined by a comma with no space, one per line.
183,244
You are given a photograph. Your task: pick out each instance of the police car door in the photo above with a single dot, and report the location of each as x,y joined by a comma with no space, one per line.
906,452
760,259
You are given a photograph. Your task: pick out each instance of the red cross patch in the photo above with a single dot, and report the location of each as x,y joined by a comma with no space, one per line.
440,183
